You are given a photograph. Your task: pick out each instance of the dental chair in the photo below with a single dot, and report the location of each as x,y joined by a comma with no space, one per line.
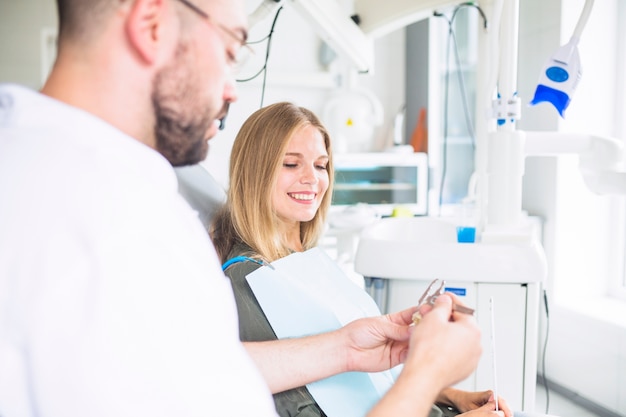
201,191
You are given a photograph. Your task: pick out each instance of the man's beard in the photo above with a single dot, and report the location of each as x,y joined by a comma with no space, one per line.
180,127
180,142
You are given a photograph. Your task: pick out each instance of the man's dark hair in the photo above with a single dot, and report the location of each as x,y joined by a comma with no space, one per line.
81,18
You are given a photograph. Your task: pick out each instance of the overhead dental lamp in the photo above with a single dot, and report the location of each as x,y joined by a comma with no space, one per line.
338,29
332,24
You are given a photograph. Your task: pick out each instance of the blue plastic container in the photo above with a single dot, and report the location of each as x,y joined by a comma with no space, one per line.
465,234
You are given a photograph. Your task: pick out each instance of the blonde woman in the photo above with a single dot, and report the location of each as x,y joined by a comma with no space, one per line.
280,189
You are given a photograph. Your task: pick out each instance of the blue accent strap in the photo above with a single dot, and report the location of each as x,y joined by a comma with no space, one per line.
237,259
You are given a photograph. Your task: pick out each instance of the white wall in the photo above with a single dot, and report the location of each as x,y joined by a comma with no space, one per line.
295,74
21,25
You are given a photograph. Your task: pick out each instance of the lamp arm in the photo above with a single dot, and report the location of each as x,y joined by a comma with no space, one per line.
602,159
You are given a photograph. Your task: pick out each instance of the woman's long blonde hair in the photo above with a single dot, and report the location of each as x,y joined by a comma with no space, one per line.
257,156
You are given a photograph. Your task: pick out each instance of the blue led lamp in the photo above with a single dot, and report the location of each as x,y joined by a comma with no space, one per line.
562,71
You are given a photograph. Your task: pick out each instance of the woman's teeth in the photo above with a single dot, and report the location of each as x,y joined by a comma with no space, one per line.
307,197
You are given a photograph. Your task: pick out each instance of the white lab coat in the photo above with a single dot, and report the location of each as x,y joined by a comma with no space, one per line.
112,300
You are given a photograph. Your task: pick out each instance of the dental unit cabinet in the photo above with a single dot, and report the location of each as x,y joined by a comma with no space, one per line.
399,257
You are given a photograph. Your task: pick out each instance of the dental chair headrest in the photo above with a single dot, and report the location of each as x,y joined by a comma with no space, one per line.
201,191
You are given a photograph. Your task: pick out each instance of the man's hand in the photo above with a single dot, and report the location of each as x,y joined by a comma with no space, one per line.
444,348
378,343
447,341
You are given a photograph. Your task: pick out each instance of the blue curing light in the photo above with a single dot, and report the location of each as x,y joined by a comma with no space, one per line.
559,78
559,99
562,71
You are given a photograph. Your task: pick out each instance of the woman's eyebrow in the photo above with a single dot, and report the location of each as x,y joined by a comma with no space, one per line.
323,156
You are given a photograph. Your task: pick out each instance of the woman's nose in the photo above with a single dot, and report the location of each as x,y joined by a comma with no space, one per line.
309,176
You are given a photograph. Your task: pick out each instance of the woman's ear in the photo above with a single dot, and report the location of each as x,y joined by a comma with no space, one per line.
145,28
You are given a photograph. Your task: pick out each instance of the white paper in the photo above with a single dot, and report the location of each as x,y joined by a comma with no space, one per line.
307,293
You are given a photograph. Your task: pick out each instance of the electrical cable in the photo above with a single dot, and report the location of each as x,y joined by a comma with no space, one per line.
444,163
545,348
470,127
267,55
582,20
468,119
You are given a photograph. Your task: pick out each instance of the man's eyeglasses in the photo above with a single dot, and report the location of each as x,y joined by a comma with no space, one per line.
244,51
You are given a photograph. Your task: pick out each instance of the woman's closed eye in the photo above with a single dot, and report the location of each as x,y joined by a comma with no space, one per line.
319,167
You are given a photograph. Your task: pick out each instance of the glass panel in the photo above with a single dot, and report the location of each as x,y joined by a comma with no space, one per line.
376,185
458,79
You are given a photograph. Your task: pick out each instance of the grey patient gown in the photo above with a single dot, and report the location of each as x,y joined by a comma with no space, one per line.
254,327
